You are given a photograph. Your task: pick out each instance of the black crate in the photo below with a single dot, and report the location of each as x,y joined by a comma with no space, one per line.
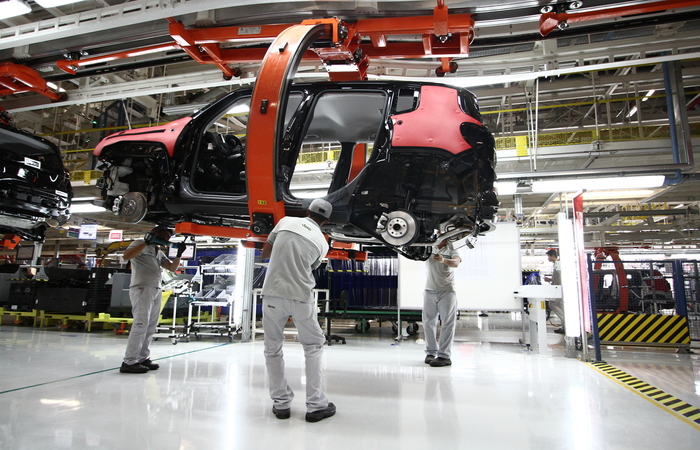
22,296
62,300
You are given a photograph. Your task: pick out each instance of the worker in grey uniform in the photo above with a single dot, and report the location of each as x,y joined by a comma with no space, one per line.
295,247
556,305
145,295
440,299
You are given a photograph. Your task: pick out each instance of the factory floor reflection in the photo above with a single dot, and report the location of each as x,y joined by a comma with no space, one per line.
63,389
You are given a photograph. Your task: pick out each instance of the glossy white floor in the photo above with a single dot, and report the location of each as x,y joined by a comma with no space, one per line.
62,389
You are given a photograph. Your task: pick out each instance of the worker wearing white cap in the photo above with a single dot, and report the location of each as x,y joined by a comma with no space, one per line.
295,247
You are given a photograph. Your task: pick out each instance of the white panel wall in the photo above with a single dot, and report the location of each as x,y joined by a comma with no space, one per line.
485,280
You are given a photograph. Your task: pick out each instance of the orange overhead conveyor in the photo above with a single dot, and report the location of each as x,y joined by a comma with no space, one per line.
443,35
15,79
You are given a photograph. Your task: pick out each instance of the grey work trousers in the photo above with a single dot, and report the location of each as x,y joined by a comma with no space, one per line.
557,307
145,308
276,312
444,304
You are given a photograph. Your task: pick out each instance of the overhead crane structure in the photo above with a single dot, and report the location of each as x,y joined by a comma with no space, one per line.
348,54
444,36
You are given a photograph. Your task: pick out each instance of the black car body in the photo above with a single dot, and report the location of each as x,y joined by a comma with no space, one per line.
35,189
428,164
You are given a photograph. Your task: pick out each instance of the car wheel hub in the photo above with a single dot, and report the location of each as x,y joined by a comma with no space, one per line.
401,228
134,206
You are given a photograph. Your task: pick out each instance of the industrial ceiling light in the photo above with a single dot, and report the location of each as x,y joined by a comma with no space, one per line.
13,8
55,3
597,184
505,187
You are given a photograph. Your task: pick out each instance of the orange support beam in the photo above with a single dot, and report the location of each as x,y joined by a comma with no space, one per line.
358,160
345,255
16,79
72,65
10,241
209,230
265,121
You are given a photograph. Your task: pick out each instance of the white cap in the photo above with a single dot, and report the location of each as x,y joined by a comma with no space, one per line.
321,207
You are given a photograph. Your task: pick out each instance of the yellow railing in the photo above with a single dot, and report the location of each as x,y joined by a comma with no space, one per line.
318,156
86,176
613,134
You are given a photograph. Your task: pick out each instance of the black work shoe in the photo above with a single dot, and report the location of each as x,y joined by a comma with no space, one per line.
559,331
149,365
429,359
317,416
441,362
282,413
133,368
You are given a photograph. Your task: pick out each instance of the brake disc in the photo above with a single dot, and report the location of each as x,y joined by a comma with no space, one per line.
401,228
134,206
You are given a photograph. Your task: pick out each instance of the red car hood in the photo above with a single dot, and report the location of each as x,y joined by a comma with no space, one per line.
166,134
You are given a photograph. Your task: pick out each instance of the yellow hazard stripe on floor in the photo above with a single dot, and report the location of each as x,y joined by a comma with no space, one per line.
644,328
676,407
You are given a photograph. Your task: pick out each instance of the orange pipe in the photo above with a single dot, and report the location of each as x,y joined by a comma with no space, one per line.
210,230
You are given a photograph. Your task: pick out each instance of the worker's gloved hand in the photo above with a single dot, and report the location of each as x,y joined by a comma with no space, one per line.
181,247
152,239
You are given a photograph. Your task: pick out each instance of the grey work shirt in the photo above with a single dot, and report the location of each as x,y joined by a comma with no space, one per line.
556,274
441,277
298,246
146,267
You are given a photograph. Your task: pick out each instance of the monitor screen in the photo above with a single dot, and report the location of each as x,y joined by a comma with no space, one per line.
25,253
189,251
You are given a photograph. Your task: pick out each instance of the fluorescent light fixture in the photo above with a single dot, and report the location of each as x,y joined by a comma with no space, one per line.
55,3
693,256
602,195
632,111
505,187
597,184
13,8
103,59
146,51
81,208
649,94
51,85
